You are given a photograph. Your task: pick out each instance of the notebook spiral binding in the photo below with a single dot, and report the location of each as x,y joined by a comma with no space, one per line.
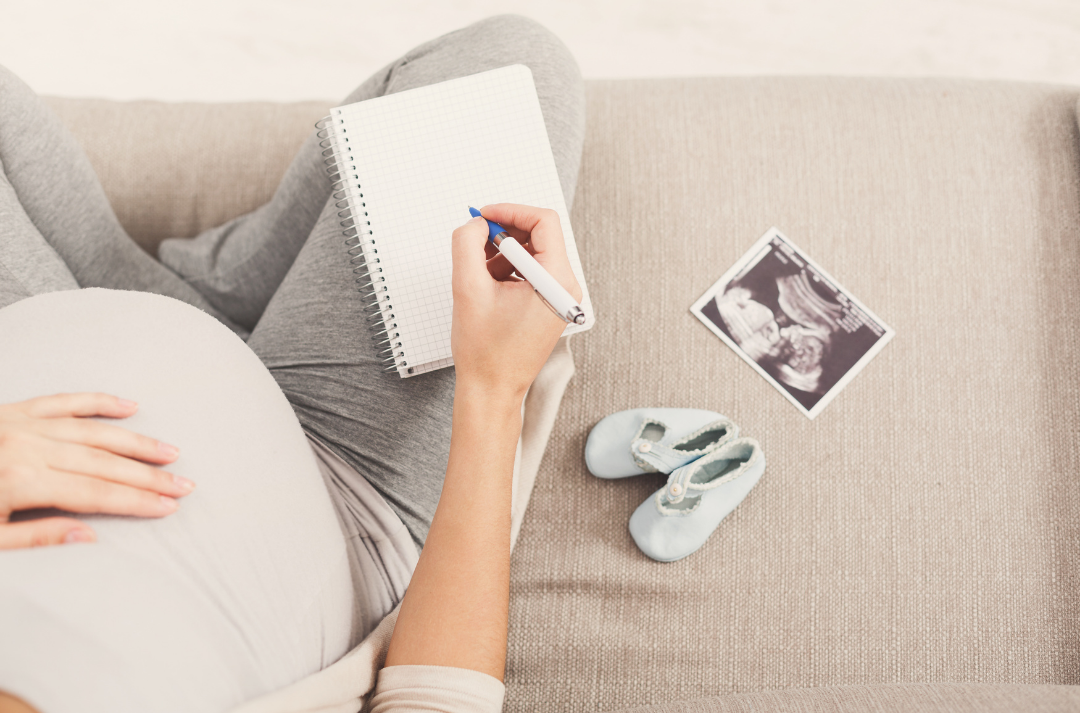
362,247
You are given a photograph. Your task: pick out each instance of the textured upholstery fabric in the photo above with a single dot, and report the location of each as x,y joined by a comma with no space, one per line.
893,698
925,528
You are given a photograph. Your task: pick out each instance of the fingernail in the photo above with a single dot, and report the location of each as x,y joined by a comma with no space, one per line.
476,219
168,503
168,451
78,536
183,483
126,403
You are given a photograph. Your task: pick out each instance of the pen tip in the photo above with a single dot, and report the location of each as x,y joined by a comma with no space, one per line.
474,212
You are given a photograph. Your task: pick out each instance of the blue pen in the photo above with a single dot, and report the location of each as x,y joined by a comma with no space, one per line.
551,293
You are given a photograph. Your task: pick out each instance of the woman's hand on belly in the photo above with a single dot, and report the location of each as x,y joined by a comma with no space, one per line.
52,455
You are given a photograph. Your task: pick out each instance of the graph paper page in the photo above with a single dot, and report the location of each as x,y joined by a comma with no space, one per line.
414,162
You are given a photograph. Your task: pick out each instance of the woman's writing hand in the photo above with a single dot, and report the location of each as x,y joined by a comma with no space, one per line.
502,333
51,455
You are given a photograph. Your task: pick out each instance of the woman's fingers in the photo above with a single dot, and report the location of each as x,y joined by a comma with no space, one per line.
545,238
520,235
97,463
82,404
470,263
111,438
514,215
83,494
541,225
46,531
500,268
52,455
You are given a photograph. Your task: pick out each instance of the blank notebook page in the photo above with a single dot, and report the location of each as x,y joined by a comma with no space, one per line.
415,162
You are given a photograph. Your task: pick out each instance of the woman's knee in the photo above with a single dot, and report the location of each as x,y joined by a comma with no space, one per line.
522,40
10,82
521,34
496,42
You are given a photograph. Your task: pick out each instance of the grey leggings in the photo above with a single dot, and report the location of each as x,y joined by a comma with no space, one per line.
278,276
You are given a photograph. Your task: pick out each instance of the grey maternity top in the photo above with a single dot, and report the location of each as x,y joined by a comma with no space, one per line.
250,586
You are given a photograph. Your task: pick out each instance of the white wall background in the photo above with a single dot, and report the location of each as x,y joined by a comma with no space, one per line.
228,50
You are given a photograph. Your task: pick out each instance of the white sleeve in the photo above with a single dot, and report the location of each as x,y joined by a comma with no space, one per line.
404,689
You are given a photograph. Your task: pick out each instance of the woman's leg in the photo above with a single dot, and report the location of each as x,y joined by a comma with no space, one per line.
28,264
239,265
51,188
314,336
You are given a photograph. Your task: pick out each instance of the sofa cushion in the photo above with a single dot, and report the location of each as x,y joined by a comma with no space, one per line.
926,526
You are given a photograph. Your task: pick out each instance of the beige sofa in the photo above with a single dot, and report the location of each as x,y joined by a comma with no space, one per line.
917,546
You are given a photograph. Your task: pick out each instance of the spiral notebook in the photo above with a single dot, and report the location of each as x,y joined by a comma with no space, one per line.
406,168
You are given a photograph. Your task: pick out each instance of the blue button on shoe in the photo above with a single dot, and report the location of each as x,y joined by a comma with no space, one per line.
654,440
677,519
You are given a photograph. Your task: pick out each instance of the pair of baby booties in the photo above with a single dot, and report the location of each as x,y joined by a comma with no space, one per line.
710,470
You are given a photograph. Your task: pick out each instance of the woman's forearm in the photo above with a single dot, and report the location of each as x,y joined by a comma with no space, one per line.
456,608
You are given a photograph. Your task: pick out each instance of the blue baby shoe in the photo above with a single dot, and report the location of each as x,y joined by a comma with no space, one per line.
677,519
654,440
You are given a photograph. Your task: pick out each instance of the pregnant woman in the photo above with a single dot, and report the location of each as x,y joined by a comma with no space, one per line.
212,491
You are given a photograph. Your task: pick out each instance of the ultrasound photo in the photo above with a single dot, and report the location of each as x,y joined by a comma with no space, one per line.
792,322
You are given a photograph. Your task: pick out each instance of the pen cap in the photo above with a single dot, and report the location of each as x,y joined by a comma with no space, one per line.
493,228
